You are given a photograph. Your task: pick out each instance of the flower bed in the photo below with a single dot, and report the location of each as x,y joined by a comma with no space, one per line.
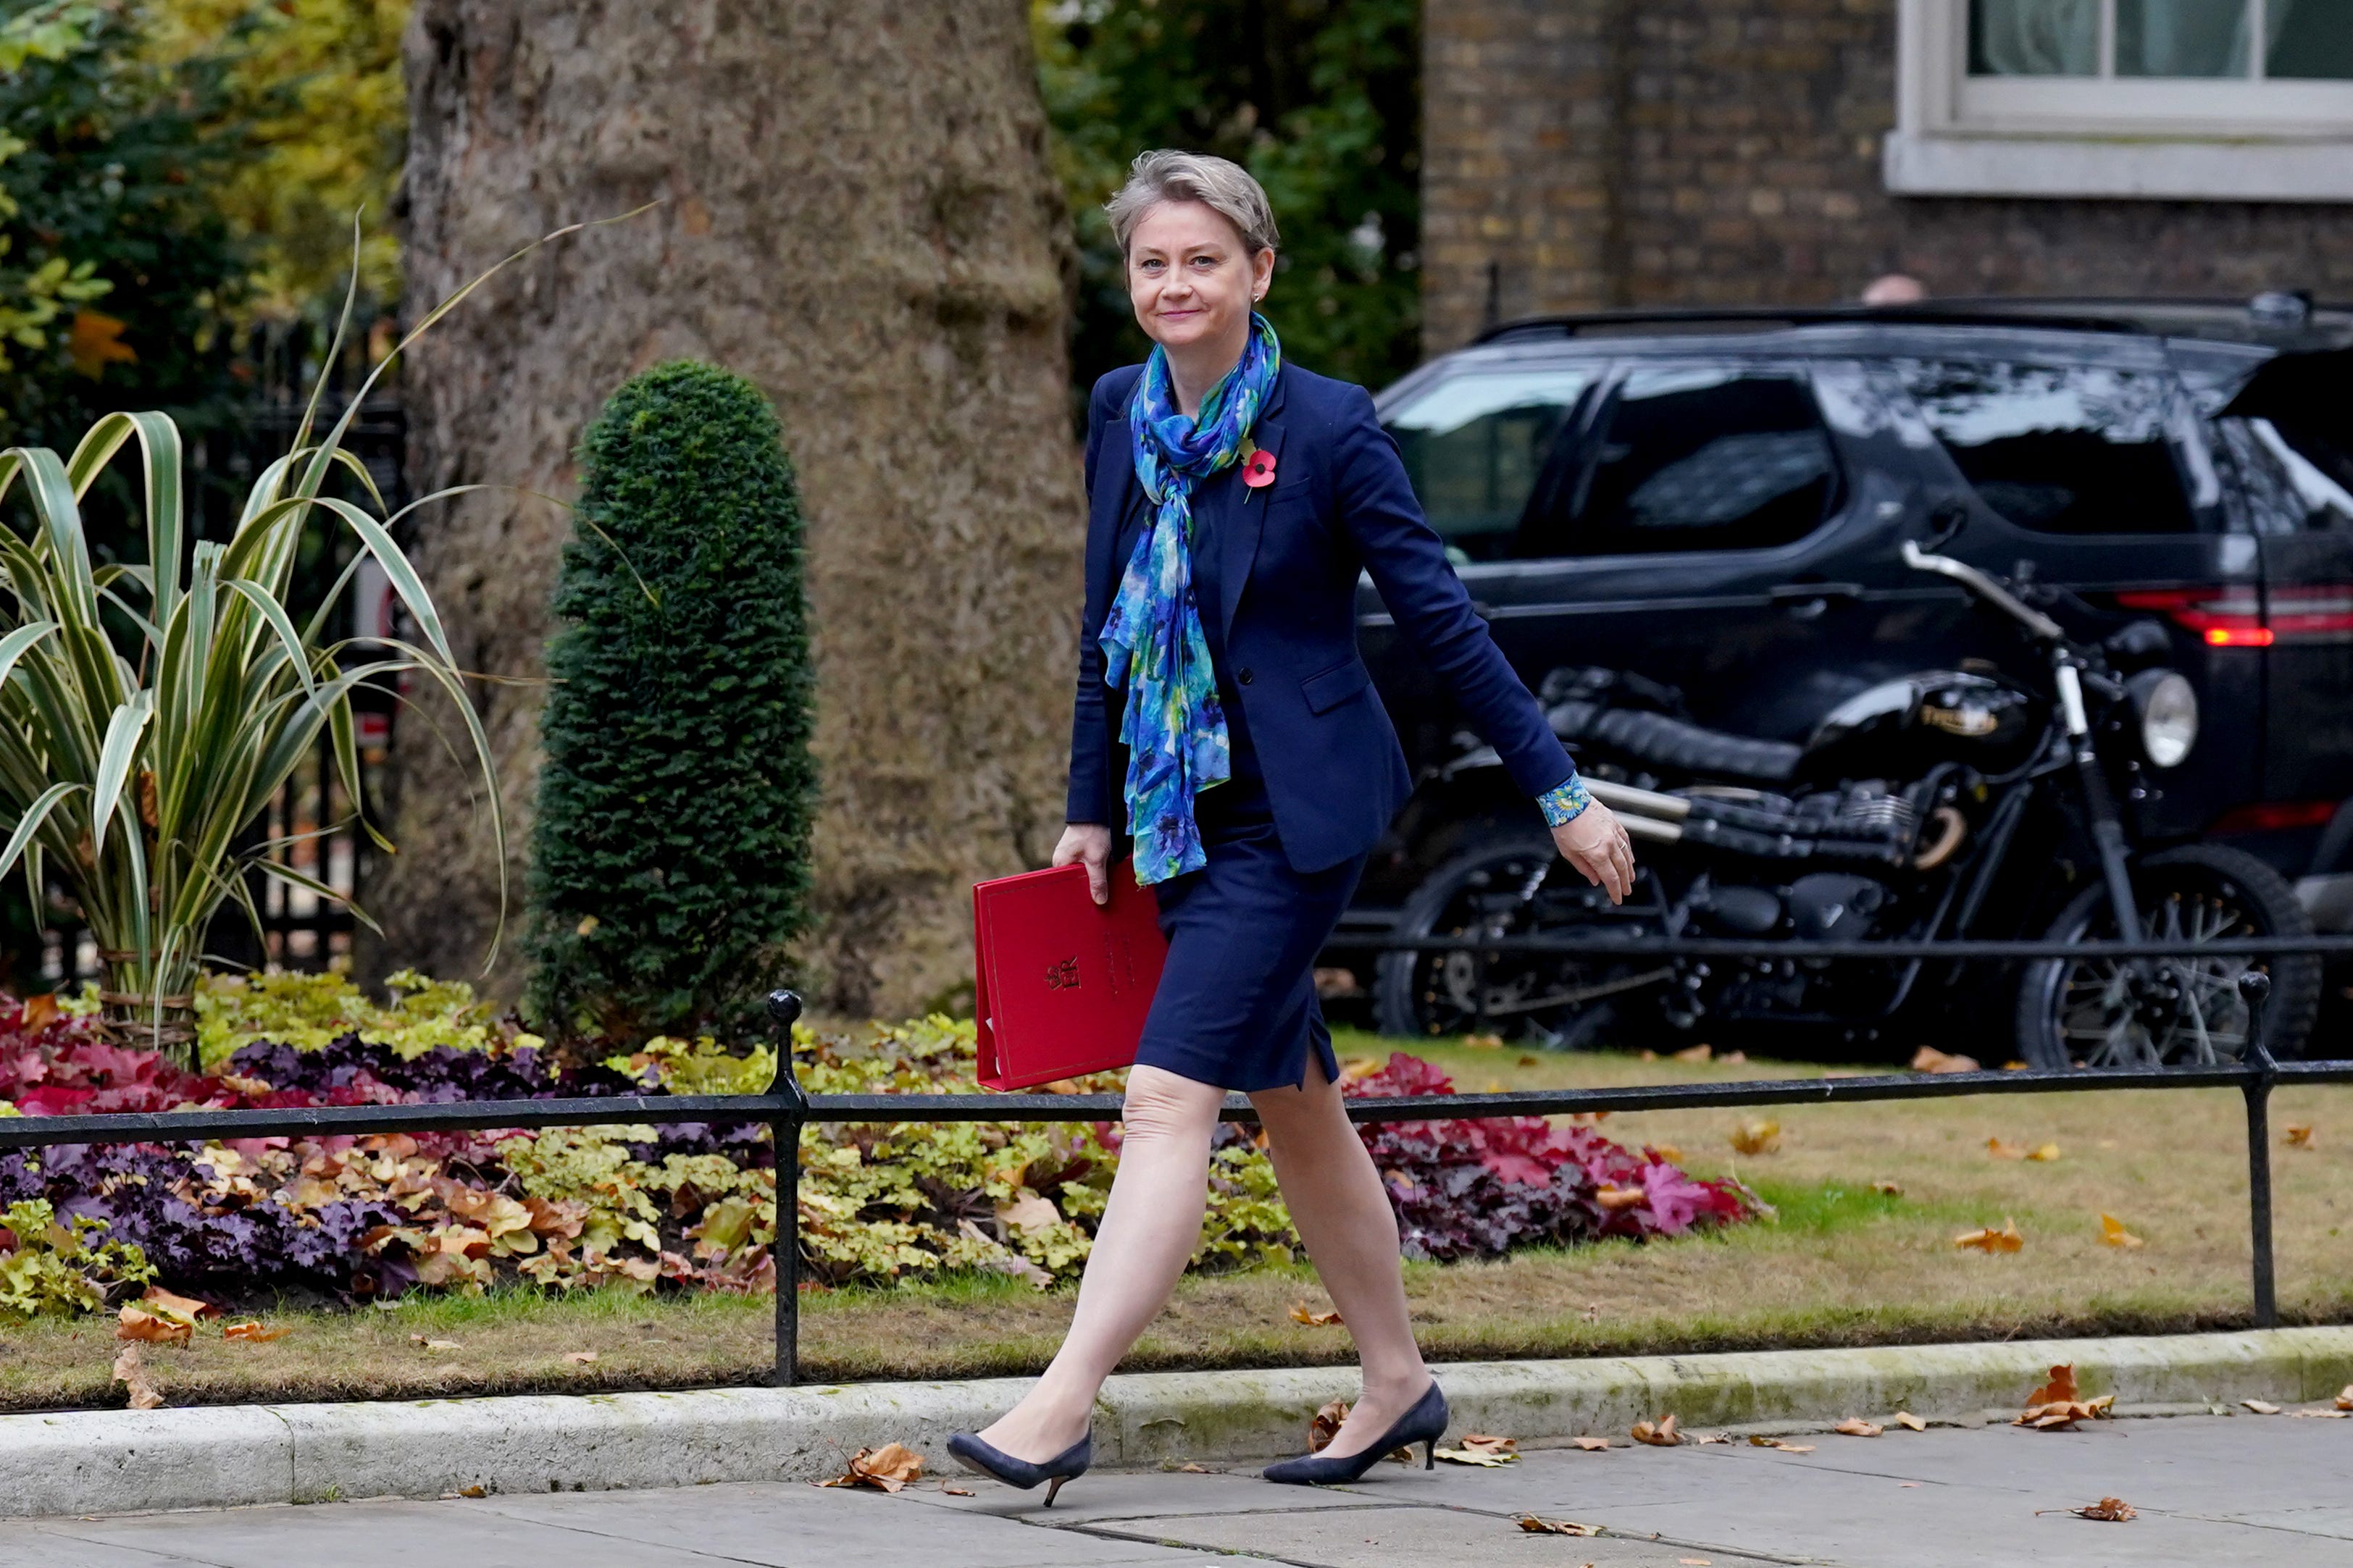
685,1205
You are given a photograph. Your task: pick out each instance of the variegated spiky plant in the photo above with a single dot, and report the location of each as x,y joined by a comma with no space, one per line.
150,713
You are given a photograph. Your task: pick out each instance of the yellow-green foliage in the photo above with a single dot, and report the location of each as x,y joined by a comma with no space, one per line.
316,84
700,1066
307,1011
54,1266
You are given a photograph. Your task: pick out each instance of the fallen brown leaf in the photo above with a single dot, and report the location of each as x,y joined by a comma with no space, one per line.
581,1358
2113,1232
435,1344
1667,1152
2345,1400
477,1489
1658,1434
2061,1386
1483,1042
2001,1150
1756,1137
1928,1058
886,1469
1615,1198
2108,1509
185,1309
1479,1448
1196,1469
39,1013
133,1324
1888,1189
2261,1407
1695,1562
1535,1526
1733,1058
2299,1137
1697,1054
1591,1445
1299,1315
1907,1419
1777,1443
1028,1214
2058,1404
130,1372
254,1332
1856,1427
1479,1456
2006,1239
1325,1425
956,1492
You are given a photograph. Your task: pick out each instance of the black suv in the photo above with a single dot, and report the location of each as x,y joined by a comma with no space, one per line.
1716,501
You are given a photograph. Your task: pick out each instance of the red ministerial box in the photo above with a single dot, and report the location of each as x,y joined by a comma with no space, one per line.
1061,983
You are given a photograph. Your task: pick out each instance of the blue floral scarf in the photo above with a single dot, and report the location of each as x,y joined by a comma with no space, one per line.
1151,640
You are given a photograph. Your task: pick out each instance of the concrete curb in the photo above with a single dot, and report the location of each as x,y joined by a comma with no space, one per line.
116,1461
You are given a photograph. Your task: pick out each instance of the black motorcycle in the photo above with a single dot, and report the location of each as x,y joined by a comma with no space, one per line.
1944,804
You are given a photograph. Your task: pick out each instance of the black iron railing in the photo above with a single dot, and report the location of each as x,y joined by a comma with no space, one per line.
786,1110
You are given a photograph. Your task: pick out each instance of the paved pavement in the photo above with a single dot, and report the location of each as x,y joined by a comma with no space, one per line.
2209,1490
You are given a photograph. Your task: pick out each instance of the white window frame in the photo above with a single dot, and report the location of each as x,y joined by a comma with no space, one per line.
2125,137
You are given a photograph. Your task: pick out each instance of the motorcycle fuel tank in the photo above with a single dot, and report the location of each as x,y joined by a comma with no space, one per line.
1914,722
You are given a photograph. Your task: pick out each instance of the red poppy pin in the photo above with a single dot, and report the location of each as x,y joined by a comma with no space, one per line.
1257,469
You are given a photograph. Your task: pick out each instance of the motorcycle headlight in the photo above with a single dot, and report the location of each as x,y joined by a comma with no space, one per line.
2168,707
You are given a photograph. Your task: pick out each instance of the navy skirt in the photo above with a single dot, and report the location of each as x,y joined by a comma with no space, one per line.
1236,1006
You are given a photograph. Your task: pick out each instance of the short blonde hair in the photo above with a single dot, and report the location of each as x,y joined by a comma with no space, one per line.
1223,186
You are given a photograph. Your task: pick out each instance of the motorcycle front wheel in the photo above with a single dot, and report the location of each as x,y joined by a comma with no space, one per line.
1521,887
2093,1012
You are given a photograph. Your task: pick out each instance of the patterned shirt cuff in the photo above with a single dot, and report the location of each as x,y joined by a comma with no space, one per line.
1564,801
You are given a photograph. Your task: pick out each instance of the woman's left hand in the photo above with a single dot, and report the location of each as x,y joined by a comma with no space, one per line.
1595,842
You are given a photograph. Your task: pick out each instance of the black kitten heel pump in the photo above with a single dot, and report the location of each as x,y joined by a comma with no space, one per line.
1424,1423
983,1460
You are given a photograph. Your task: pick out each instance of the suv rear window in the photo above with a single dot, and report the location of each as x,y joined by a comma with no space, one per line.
1473,446
1695,457
2057,449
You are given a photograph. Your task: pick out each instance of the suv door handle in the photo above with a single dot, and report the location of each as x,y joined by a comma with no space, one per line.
1802,593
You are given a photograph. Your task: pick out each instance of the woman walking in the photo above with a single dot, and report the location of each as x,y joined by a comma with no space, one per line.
1226,724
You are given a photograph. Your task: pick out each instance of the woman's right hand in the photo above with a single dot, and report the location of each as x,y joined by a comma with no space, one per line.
1089,842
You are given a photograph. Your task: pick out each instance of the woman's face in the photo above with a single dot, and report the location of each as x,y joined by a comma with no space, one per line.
1190,276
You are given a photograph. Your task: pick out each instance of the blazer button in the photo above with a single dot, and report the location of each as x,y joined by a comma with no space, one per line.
1243,676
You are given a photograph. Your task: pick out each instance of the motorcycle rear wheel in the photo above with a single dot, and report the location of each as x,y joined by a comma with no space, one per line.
1519,886
2076,1013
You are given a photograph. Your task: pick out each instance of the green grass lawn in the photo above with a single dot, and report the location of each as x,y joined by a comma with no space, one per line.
1841,1262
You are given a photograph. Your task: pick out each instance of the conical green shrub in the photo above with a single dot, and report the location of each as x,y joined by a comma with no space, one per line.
669,853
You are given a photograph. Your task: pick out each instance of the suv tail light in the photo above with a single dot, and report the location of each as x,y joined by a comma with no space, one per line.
2274,816
2237,617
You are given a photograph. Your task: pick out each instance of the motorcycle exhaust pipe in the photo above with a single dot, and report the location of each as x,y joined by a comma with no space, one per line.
1647,803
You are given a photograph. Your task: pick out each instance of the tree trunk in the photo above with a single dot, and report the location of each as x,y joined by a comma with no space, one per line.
857,213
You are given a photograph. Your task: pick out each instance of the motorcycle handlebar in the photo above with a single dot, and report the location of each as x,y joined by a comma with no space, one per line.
1986,588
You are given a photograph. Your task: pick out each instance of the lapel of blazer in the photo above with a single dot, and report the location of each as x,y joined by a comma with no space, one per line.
1244,517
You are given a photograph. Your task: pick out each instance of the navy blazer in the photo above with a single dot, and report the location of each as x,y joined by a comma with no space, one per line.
1291,553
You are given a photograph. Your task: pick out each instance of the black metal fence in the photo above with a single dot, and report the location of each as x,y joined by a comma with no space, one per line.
786,1110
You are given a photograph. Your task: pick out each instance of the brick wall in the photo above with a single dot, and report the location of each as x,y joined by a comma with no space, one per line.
1586,154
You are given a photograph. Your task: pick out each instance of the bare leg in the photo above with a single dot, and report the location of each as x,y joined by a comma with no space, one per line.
1342,1215
1149,1229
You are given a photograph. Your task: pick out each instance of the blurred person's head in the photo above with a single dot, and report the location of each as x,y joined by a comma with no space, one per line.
1895,288
1199,239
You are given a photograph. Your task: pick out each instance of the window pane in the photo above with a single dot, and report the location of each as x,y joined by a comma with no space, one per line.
2294,477
2182,38
2034,37
2079,450
2311,39
1700,458
1474,446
